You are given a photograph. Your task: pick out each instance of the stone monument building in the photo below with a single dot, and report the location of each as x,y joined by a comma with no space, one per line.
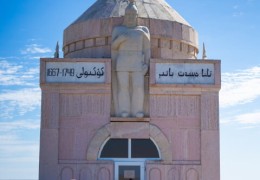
130,100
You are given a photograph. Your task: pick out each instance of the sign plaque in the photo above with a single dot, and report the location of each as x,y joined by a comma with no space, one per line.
75,72
129,174
184,73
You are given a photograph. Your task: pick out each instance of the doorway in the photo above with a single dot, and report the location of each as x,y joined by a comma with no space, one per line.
129,170
129,156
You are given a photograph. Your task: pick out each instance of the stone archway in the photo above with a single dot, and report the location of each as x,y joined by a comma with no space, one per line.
155,133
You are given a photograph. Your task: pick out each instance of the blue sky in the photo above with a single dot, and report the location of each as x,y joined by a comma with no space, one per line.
29,29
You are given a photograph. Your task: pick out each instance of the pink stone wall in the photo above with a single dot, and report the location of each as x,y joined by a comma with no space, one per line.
189,117
71,115
80,117
76,120
172,172
178,116
87,171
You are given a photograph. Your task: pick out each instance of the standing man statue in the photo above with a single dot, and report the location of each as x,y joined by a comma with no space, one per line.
130,56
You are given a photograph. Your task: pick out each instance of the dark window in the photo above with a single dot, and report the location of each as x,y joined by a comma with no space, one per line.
140,148
115,148
144,148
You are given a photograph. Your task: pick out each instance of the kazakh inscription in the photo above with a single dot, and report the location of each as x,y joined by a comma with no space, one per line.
184,73
76,72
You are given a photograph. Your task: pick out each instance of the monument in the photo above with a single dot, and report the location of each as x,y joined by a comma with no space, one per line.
131,55
130,99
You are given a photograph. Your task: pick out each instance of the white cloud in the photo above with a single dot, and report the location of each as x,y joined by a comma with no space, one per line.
17,74
14,146
19,102
248,118
238,14
7,140
236,11
17,152
35,49
240,87
35,57
235,6
18,125
7,68
10,57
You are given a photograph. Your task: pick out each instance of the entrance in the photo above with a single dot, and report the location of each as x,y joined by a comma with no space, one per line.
129,170
129,156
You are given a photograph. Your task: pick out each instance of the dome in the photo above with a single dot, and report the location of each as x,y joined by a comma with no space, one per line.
89,36
152,9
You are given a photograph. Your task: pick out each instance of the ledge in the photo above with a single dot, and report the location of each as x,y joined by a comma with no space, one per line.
129,119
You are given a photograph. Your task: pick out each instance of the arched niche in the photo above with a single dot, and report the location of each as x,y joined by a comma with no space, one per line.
66,173
104,133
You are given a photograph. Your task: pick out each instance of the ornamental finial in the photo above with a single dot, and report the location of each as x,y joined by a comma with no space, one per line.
204,54
56,54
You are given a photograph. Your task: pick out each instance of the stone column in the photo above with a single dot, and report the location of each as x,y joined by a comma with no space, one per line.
48,168
210,153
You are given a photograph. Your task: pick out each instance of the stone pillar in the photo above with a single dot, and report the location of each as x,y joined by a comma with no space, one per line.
48,168
210,153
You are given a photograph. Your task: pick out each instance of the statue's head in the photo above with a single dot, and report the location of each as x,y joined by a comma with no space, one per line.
131,14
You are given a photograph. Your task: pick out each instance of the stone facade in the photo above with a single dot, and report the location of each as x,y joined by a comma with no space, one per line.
182,121
78,117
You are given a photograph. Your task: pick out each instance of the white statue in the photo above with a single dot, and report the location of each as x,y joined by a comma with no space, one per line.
130,55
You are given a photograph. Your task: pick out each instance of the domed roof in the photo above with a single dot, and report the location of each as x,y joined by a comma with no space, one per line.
90,35
152,9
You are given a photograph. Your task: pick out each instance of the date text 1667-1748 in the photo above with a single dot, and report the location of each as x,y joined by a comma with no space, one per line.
60,72
75,72
83,73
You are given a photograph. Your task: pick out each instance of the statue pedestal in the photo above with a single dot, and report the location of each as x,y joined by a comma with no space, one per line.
129,119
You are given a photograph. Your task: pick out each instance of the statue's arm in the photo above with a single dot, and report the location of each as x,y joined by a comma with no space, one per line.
146,45
117,38
114,48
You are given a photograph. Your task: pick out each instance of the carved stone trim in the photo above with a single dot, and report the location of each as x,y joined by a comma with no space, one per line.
118,119
105,132
159,43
